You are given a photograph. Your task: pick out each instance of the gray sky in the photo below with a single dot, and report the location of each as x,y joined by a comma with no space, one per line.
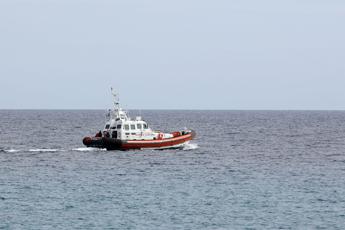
248,54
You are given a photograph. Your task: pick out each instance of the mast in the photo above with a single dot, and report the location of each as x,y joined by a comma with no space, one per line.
116,99
118,112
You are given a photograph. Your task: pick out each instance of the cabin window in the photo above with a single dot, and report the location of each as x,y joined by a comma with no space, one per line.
138,126
126,127
145,126
118,126
107,126
132,127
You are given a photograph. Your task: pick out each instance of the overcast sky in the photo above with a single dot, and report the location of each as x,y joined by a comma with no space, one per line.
180,54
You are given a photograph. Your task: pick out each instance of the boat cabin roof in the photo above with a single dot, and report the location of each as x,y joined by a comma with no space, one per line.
125,124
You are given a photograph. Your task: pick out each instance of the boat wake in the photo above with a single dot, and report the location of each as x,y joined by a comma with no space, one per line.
45,150
185,147
11,150
190,146
87,149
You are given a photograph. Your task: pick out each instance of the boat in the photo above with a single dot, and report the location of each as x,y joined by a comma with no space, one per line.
120,132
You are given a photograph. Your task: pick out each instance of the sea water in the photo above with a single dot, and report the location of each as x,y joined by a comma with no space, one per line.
244,170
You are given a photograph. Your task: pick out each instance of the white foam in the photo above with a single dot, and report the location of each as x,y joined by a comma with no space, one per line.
190,146
12,150
43,150
87,149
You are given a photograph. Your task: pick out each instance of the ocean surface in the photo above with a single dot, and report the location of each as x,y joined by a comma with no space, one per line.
244,170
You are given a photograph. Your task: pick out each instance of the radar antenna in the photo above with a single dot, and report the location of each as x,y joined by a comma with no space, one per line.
116,98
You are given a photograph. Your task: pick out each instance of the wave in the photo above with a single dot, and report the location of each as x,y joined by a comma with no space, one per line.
87,149
45,150
190,146
11,150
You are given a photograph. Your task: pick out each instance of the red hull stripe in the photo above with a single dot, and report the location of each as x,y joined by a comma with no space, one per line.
157,143
163,140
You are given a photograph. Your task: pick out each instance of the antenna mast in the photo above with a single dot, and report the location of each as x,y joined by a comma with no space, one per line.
116,99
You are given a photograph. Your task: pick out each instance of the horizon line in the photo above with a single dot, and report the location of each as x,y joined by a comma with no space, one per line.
164,109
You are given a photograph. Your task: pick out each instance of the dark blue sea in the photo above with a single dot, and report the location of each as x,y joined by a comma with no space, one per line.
244,170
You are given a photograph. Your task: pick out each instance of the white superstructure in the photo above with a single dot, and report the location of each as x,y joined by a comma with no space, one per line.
121,126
